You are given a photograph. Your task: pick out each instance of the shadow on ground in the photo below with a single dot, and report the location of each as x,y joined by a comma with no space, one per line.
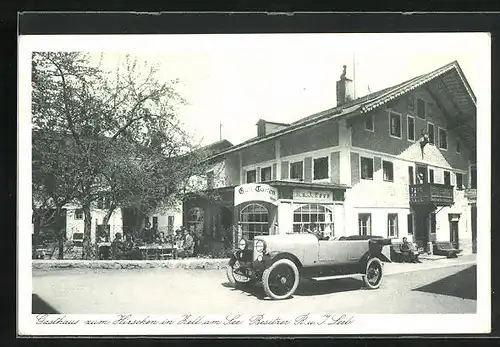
39,306
463,285
306,288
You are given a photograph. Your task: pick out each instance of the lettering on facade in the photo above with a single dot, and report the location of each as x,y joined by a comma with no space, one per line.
255,192
312,195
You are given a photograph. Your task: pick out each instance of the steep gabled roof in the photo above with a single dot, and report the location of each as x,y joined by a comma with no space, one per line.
367,103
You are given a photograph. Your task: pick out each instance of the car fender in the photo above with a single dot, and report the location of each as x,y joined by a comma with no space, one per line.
276,255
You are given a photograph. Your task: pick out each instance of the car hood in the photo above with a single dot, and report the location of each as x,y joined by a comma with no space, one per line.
288,242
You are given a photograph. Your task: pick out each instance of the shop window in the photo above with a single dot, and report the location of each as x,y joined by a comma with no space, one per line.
447,180
79,213
251,176
388,169
369,123
316,215
196,219
443,139
420,108
296,171
366,168
254,221
265,174
365,223
411,128
460,183
410,223
430,131
392,225
395,124
320,168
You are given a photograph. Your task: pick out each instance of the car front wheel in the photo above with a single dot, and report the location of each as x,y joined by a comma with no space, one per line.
373,274
236,275
281,279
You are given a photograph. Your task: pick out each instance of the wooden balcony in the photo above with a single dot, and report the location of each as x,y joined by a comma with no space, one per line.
471,194
431,193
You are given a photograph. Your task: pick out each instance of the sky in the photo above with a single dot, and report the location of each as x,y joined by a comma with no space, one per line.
235,80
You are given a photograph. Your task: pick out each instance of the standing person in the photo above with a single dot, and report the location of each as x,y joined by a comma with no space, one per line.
188,245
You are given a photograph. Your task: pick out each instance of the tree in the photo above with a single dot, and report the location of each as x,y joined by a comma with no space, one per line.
121,129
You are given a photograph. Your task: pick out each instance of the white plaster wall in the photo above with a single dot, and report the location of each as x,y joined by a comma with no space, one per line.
163,215
77,225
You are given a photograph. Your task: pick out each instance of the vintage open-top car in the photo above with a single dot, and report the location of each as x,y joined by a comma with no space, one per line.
280,261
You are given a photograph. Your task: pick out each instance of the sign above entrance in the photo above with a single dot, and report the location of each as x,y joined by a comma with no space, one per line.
255,192
307,195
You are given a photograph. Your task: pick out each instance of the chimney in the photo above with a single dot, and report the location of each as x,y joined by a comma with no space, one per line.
345,88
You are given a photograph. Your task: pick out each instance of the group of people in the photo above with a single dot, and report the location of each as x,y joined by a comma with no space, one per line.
186,241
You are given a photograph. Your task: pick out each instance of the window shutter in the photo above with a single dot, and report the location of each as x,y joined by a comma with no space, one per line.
335,167
377,164
354,168
274,171
284,170
307,169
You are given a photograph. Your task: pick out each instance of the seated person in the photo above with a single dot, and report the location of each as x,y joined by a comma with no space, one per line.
409,252
187,246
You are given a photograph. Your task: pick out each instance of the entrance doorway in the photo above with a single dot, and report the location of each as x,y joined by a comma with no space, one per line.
421,232
454,234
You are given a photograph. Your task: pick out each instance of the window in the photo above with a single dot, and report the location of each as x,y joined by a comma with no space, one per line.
210,180
395,124
410,174
369,123
103,202
421,174
420,108
443,139
170,223
77,236
430,131
366,168
460,182
146,220
431,176
411,128
365,224
410,224
78,213
392,225
196,219
320,168
388,169
155,223
265,174
313,214
254,221
447,180
458,149
296,171
251,176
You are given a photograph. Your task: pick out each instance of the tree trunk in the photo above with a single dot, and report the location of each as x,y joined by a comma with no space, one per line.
107,216
87,234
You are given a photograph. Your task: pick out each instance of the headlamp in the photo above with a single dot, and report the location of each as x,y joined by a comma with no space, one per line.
242,244
259,246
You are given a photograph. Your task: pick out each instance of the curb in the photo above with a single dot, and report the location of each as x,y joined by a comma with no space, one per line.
206,264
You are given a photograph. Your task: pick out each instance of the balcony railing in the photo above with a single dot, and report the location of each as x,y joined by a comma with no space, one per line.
471,194
431,193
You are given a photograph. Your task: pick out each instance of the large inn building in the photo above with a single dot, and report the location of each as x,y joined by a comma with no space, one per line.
395,163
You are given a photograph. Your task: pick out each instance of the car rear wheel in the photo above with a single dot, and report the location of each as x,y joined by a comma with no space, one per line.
281,279
236,275
373,273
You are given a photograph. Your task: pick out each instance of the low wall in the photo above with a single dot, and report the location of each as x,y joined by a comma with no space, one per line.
130,264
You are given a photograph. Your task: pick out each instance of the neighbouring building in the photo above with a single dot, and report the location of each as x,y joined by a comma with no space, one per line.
398,162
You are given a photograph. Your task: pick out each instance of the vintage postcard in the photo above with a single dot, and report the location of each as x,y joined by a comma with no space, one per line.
254,184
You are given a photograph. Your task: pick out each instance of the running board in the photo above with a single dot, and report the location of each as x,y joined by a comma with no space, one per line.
326,278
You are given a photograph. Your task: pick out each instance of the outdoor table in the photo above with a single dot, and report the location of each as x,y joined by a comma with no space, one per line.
154,251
